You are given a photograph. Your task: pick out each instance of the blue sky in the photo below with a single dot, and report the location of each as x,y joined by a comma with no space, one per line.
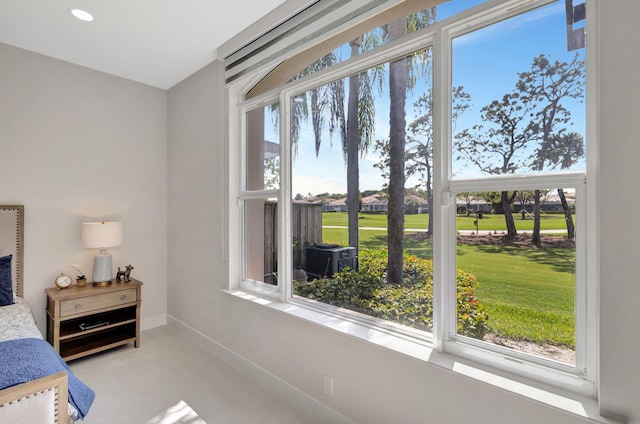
485,62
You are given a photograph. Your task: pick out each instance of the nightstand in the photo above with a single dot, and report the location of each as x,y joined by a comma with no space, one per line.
86,320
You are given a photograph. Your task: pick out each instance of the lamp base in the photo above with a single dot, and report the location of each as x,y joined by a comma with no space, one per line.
102,283
102,268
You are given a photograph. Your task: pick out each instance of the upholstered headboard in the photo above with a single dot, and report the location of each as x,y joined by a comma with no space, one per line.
12,241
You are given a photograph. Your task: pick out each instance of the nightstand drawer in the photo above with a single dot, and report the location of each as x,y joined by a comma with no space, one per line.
90,303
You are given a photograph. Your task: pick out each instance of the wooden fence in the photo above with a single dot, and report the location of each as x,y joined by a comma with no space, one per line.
306,229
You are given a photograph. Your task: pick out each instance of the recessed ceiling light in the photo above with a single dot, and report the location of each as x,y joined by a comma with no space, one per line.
83,15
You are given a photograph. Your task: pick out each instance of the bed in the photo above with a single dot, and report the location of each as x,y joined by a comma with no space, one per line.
36,386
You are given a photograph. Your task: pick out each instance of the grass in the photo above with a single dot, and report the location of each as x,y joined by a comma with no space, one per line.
488,222
528,293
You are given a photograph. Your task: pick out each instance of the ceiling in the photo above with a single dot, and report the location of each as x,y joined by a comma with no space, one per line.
155,42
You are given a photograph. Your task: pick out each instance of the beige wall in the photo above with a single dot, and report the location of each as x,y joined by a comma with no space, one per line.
372,384
619,131
196,193
78,145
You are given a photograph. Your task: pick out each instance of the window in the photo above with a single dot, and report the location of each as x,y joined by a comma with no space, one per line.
527,289
435,187
260,200
527,122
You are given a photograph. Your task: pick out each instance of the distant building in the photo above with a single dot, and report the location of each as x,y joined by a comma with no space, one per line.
337,205
472,205
549,202
379,203
376,203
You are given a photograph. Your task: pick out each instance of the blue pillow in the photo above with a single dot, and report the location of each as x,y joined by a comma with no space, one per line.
6,285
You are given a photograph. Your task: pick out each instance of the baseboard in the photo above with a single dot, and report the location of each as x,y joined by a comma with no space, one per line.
310,406
147,323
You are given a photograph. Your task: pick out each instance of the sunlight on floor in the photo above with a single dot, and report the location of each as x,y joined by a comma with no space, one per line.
180,413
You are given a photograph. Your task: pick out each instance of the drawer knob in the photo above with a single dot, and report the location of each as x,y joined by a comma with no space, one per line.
123,297
78,306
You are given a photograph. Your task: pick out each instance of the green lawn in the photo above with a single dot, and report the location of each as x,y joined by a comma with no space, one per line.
488,222
528,293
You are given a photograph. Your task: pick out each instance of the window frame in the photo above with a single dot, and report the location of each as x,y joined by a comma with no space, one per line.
247,194
491,354
579,379
444,201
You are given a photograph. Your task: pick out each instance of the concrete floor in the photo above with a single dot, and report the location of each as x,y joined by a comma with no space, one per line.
144,385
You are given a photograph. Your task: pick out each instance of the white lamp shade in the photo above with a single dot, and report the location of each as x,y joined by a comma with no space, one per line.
100,235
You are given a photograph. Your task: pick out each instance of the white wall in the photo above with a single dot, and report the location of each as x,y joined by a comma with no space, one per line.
196,199
619,131
372,384
79,145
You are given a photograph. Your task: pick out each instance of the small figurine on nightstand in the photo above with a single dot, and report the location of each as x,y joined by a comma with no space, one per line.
125,273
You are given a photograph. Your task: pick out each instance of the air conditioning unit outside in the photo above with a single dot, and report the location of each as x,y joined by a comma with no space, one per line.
328,259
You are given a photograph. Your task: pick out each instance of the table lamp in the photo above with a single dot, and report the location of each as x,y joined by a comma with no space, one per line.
101,235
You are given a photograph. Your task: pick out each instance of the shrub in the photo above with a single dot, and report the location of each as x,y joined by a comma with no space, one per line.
409,303
472,319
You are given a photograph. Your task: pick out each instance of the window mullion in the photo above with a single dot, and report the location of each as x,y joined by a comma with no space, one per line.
548,180
284,244
443,266
581,279
243,150
590,245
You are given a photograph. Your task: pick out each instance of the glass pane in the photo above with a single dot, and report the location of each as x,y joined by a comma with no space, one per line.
380,36
517,287
518,102
372,39
263,148
451,8
261,240
349,209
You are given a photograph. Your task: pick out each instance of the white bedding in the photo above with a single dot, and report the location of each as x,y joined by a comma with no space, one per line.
16,322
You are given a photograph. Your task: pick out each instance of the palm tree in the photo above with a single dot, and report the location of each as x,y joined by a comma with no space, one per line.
326,101
352,149
357,134
397,142
402,77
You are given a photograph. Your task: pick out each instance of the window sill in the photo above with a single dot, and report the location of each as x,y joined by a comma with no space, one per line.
579,405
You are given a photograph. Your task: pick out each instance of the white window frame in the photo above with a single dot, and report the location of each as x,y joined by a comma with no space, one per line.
270,290
579,379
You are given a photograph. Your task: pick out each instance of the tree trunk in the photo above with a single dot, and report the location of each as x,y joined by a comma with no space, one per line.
571,231
508,216
353,143
397,140
535,237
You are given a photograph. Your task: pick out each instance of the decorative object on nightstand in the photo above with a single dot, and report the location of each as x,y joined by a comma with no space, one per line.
63,281
101,235
126,273
81,279
86,320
